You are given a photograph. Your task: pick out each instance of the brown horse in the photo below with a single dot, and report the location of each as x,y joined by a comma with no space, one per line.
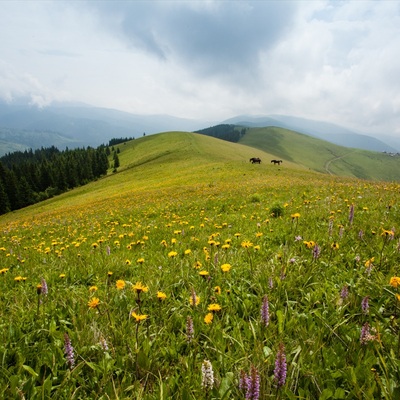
276,162
255,160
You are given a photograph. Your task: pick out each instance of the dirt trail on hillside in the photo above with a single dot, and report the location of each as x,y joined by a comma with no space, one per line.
328,163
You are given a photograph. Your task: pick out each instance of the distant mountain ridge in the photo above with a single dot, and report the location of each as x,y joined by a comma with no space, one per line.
73,125
323,130
77,125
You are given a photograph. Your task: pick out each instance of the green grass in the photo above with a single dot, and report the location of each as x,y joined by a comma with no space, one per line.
322,156
180,208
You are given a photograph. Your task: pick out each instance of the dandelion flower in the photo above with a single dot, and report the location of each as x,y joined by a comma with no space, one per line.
214,307
217,290
161,296
138,287
226,267
209,318
172,254
394,281
120,284
139,317
140,260
247,244
93,288
61,276
203,273
94,302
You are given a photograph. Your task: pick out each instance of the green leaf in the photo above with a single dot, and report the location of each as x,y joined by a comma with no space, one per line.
30,370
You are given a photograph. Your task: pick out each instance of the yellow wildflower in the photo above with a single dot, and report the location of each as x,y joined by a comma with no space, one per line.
120,284
172,254
209,318
394,281
161,296
139,317
226,267
214,307
138,287
94,302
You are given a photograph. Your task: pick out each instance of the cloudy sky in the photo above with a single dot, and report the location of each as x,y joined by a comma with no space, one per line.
336,61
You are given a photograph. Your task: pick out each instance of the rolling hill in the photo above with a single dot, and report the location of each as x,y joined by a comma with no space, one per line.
316,154
154,165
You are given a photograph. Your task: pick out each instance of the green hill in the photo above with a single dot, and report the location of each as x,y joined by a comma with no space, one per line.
322,156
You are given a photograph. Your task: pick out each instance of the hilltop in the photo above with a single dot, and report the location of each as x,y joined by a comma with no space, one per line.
313,153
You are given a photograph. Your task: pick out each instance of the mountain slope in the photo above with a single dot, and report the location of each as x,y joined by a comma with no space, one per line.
323,156
319,129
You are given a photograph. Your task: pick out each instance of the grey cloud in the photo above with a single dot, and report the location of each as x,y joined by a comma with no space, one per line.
212,37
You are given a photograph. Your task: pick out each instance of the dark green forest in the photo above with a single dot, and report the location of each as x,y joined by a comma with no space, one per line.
230,133
31,176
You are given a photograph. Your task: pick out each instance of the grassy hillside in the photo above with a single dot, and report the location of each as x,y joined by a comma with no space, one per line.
193,274
322,156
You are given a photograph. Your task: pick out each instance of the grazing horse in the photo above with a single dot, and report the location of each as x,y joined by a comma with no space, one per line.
255,160
276,162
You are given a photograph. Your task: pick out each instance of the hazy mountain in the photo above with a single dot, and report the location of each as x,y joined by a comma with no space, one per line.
323,130
77,125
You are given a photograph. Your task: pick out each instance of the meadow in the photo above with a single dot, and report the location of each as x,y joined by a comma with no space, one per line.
193,274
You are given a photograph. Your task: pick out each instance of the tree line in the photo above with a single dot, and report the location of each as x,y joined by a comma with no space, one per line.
230,133
35,175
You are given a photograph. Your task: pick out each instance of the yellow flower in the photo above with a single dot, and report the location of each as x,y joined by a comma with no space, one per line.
109,273
172,254
246,244
95,245
93,288
120,284
128,262
209,318
217,290
164,243
139,317
94,302
187,252
398,297
225,246
226,267
369,262
214,307
256,248
62,276
394,281
161,296
138,287
3,271
335,246
197,300
295,216
387,233
203,273
20,278
197,265
140,260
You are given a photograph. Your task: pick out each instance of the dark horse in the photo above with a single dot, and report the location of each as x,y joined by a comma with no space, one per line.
277,161
255,160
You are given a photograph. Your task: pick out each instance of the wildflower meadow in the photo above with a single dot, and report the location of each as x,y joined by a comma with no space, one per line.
284,286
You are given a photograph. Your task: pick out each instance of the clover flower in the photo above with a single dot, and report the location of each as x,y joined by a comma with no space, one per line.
280,367
45,289
69,351
189,329
265,311
365,305
207,381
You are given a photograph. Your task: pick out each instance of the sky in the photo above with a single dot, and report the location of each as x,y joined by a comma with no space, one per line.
335,61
